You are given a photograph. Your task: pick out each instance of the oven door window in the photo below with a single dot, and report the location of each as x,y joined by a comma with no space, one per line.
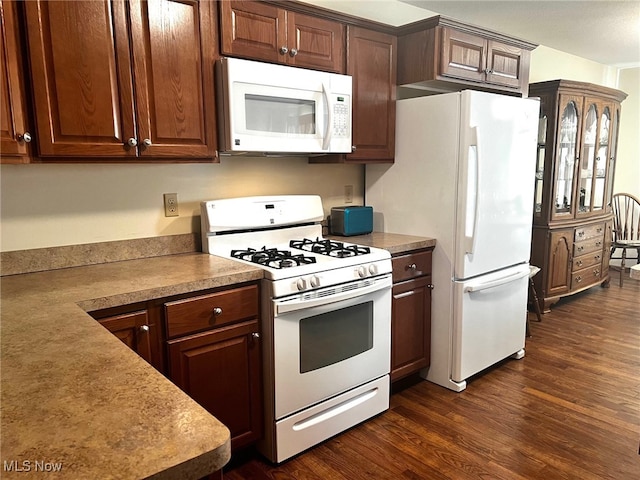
335,336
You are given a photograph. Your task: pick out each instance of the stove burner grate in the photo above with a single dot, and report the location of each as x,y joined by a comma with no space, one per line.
272,257
328,247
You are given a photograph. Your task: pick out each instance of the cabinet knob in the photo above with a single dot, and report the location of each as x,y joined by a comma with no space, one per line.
293,52
412,266
217,311
579,263
147,142
255,335
353,148
578,279
24,137
132,142
596,272
144,328
430,286
283,50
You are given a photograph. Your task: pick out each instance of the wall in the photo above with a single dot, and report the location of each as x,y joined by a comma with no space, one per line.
55,205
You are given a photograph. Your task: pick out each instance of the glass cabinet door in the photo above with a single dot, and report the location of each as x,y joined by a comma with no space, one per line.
542,147
611,167
587,162
566,157
602,158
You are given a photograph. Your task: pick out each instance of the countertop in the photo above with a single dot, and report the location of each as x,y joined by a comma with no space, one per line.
395,243
76,398
73,395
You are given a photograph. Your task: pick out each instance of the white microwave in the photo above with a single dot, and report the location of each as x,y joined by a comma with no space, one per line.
277,109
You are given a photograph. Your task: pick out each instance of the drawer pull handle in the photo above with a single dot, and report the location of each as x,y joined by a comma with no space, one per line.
580,249
430,286
597,257
144,328
412,266
599,230
596,272
579,263
581,233
578,279
598,244
217,311
255,335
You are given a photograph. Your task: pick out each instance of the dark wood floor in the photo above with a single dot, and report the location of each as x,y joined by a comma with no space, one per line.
570,409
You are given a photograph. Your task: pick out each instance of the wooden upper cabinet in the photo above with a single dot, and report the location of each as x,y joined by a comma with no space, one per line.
14,136
442,54
261,31
104,89
371,61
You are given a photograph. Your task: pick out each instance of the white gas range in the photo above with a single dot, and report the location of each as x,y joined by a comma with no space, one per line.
326,316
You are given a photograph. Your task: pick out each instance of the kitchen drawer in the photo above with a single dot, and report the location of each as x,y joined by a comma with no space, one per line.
589,231
213,310
412,265
586,277
588,260
591,245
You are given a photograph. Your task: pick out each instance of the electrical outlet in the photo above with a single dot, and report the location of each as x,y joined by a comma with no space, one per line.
348,194
171,205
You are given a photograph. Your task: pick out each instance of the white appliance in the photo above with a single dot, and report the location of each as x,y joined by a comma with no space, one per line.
464,174
326,317
268,108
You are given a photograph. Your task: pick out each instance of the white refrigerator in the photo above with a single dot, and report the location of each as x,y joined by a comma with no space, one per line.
464,174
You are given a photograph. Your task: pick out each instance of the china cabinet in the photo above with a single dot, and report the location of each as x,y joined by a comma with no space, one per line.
442,54
575,166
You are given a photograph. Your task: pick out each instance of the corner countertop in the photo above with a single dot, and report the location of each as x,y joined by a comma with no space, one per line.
82,403
395,243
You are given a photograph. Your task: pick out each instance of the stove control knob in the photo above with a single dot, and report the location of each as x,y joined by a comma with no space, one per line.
301,284
315,281
373,269
362,271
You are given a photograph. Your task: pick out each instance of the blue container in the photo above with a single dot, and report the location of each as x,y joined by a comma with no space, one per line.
347,221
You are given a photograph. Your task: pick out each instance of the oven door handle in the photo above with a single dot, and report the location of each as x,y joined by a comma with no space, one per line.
297,303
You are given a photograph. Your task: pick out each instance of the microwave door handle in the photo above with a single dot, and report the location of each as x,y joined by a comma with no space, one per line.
326,142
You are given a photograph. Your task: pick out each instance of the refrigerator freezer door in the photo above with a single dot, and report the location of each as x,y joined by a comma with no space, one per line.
490,314
496,178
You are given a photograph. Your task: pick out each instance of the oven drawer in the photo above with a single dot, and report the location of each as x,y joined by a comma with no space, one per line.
213,310
412,265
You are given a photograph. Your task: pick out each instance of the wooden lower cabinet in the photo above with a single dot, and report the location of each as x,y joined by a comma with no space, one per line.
220,367
136,328
411,313
208,344
571,259
221,370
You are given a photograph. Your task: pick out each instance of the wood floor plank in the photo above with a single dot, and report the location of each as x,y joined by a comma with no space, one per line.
569,410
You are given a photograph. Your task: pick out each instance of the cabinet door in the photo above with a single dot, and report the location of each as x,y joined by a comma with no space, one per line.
133,330
462,55
505,65
410,327
567,157
173,58
13,114
253,30
559,262
221,370
81,74
313,42
613,154
371,61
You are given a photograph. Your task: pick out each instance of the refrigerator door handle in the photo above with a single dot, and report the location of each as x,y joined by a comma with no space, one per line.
496,283
473,181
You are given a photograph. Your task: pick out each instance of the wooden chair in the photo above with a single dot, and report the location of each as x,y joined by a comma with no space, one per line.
626,228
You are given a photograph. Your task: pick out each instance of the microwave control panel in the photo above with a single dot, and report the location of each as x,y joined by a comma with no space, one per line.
341,121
